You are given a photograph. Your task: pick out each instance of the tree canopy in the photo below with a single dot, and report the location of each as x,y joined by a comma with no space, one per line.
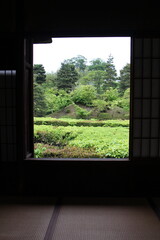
39,73
124,79
80,63
67,77
94,85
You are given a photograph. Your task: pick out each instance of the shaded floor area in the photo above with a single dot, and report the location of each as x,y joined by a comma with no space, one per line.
79,219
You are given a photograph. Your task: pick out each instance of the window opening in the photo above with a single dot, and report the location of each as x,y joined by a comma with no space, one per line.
82,98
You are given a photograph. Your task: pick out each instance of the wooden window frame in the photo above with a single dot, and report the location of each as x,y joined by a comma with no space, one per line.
30,156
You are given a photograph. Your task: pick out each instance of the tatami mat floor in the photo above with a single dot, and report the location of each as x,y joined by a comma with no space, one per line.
78,219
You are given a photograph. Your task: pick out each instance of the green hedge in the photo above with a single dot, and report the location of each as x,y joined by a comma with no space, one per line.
80,122
101,141
46,151
57,136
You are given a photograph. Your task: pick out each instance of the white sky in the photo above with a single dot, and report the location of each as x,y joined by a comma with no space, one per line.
52,55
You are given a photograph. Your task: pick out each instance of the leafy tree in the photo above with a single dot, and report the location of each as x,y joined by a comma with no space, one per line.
67,77
95,78
110,95
111,74
56,100
50,80
100,105
126,100
97,64
39,73
79,62
81,112
84,94
124,79
51,100
122,102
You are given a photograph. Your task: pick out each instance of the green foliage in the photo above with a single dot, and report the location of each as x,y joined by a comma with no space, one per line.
104,116
94,88
79,62
100,105
122,102
126,100
117,112
111,74
84,94
95,78
105,141
56,100
39,150
67,77
51,80
39,73
57,136
109,142
124,79
97,64
39,101
82,113
80,122
69,152
110,95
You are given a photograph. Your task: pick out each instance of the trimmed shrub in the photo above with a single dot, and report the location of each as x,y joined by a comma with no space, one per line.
82,113
80,122
56,100
105,141
69,152
84,95
58,136
100,105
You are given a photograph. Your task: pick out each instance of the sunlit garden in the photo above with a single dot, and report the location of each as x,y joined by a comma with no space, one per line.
82,110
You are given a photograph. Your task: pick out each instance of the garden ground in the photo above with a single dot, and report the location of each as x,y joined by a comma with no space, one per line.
79,138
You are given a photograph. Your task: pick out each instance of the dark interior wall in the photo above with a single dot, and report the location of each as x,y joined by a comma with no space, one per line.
40,19
79,18
8,17
92,178
91,18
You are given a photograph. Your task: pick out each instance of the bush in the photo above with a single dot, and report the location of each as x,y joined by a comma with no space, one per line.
103,141
82,113
108,142
84,95
80,122
126,100
56,100
58,136
117,113
111,95
100,105
39,150
69,152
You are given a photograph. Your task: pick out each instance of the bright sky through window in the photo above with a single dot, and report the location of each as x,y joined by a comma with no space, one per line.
52,55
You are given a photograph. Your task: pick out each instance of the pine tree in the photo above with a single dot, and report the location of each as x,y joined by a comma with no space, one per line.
39,73
67,76
97,65
111,74
39,101
124,79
